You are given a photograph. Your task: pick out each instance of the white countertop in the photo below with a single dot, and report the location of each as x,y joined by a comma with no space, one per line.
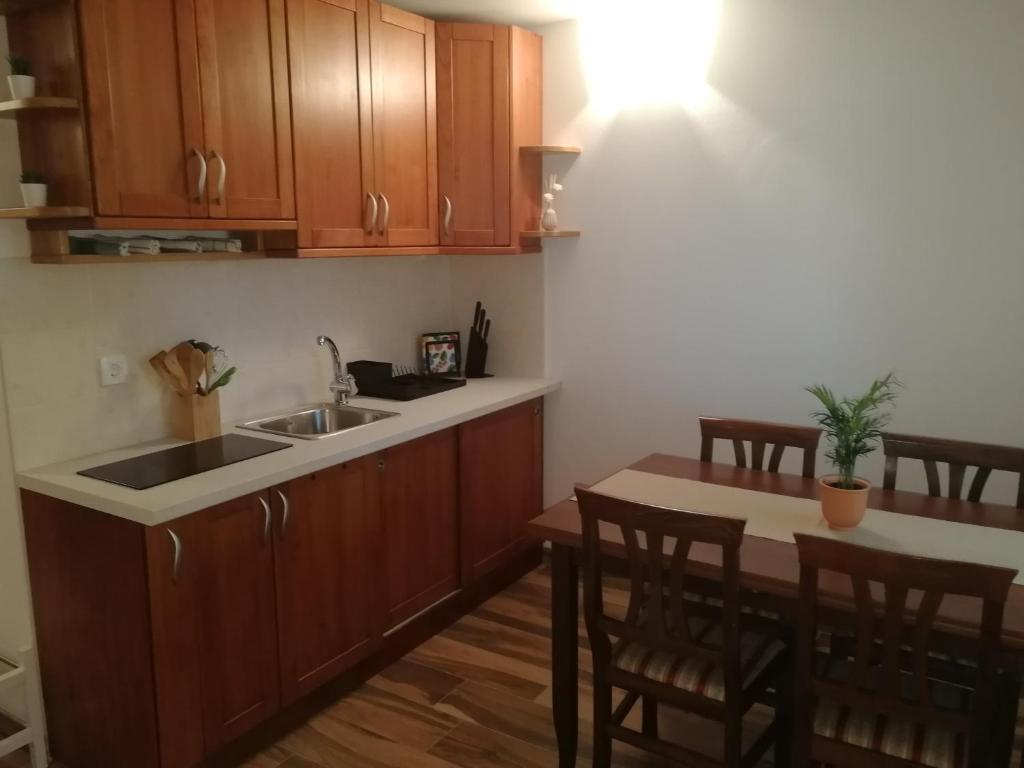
181,497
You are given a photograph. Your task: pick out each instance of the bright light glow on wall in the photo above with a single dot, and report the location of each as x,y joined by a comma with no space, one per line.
648,53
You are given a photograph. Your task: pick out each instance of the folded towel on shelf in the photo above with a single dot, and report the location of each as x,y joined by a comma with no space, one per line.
99,247
180,245
149,246
218,244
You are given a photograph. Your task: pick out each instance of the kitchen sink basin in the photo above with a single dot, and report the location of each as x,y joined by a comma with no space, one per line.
317,421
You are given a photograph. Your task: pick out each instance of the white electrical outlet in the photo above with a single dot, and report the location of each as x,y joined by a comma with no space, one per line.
113,370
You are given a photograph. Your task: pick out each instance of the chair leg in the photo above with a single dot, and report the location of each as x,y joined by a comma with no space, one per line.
650,717
733,752
602,721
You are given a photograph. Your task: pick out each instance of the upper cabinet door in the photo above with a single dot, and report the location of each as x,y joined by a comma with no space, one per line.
243,64
326,558
473,133
144,108
404,125
329,49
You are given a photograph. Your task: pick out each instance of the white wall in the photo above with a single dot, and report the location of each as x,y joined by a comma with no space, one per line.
847,200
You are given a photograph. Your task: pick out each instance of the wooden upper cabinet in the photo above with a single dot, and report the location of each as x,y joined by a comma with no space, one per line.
403,67
141,73
419,513
329,48
473,133
500,485
238,625
243,65
326,566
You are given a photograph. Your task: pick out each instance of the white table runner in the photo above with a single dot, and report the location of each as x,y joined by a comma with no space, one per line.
772,516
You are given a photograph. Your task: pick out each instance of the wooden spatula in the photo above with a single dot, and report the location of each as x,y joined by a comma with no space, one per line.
196,368
173,362
168,378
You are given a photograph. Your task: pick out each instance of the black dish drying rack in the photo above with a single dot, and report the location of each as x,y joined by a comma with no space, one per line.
375,379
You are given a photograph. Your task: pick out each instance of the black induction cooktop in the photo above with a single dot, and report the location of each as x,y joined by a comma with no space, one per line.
183,461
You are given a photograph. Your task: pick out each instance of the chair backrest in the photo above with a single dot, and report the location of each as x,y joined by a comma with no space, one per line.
759,434
659,615
889,672
959,455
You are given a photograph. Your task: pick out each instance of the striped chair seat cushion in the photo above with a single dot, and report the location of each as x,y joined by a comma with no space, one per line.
716,602
696,675
932,747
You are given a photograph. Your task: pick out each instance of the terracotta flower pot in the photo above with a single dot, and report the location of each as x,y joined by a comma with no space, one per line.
840,507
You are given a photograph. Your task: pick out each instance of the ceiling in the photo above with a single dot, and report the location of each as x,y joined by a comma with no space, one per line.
523,12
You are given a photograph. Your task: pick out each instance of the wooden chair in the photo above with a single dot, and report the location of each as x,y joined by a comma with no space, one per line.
668,649
759,434
882,707
959,455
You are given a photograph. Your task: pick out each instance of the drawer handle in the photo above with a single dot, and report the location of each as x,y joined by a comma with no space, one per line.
447,215
201,186
371,220
266,520
176,566
223,176
284,512
387,213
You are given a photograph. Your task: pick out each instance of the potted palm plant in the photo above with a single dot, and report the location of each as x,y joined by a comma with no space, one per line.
33,189
21,81
853,427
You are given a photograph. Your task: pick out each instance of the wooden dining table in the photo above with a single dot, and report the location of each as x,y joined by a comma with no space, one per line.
768,569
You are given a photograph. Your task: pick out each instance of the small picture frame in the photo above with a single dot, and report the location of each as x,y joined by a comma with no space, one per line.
441,353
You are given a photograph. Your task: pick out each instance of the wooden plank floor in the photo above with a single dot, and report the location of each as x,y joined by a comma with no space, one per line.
475,696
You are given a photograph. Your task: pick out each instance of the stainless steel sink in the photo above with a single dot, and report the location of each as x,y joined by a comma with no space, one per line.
317,421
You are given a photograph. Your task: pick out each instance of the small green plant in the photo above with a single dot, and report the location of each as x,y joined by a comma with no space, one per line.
19,64
853,426
32,177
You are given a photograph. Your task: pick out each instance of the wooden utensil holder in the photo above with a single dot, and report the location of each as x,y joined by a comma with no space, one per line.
196,417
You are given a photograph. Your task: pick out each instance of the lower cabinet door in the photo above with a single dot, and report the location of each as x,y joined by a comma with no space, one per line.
238,627
419,510
500,485
326,563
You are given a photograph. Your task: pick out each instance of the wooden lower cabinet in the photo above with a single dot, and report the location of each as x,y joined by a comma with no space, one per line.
419,513
160,645
500,485
326,557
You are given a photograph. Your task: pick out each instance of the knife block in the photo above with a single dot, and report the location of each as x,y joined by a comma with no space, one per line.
476,356
196,417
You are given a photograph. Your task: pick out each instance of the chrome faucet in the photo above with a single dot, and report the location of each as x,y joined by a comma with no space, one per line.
343,384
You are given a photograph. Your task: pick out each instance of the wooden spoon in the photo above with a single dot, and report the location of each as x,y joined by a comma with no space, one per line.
168,378
172,361
196,368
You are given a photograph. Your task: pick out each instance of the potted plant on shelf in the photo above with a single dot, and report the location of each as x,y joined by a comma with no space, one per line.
23,84
33,189
853,427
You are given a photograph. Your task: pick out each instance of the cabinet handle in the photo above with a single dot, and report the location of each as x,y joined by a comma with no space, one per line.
176,566
447,214
387,213
266,520
284,512
380,464
201,186
371,221
223,175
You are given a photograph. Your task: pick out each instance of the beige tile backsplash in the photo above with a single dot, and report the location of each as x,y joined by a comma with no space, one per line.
56,321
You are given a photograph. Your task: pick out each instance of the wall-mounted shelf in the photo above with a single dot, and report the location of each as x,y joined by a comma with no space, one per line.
16,107
538,233
550,149
142,258
13,6
49,212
